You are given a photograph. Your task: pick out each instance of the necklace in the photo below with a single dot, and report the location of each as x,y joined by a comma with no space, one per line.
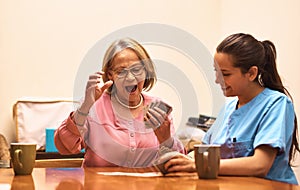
127,106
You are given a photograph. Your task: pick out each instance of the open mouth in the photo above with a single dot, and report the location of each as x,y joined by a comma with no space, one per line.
131,88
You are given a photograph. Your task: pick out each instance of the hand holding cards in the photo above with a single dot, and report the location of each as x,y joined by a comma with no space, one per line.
159,163
156,113
161,105
165,154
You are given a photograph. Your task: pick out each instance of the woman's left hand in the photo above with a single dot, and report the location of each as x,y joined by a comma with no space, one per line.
163,132
180,163
157,119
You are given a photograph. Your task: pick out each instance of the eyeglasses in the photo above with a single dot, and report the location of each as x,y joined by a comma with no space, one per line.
135,71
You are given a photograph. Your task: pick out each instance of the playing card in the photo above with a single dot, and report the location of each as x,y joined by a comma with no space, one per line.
164,106
153,104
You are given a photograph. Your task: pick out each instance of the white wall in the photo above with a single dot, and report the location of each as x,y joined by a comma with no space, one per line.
42,43
277,21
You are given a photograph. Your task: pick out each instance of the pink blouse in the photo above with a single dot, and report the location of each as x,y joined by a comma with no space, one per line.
111,140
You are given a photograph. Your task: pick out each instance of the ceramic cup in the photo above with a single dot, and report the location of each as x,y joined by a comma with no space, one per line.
23,157
207,160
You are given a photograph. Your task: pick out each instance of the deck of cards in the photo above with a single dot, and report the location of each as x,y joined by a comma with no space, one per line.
161,105
156,104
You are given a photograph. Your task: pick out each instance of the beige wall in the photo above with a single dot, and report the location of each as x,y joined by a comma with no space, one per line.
42,43
274,20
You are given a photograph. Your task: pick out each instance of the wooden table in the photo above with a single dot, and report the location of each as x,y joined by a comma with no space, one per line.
55,155
115,179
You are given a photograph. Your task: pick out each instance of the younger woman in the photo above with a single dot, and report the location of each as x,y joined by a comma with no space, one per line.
257,130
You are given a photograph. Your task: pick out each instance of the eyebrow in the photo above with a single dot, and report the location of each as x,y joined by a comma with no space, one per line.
225,70
222,70
134,65
131,66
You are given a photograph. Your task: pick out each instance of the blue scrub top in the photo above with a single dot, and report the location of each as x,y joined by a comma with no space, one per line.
268,119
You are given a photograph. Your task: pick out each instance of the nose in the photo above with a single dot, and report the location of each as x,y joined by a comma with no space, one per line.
218,78
130,76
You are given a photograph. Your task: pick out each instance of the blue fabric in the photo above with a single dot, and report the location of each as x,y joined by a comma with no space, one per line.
268,119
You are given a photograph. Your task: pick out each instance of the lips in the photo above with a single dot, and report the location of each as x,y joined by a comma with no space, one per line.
225,88
131,88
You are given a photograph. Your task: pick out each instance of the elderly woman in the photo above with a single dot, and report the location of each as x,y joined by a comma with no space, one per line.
117,123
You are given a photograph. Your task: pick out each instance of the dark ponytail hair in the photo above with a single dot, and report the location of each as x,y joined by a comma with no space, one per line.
246,52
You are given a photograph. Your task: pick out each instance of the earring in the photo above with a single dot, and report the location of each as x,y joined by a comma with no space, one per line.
260,81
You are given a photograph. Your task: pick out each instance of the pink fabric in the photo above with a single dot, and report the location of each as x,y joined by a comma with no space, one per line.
111,140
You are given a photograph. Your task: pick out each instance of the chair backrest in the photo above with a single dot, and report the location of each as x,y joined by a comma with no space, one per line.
33,115
4,152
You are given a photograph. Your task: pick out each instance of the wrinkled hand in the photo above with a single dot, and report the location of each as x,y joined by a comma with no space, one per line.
180,163
157,119
95,88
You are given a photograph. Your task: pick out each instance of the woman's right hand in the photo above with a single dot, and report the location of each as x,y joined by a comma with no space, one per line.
94,89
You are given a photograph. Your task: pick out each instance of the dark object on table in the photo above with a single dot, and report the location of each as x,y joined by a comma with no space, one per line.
203,122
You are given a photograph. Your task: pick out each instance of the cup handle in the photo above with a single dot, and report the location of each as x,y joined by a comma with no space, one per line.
205,161
17,156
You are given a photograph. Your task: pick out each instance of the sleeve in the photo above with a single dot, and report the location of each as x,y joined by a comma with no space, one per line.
67,138
277,125
177,145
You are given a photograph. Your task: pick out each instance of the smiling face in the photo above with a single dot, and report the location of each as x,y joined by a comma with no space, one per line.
232,81
128,75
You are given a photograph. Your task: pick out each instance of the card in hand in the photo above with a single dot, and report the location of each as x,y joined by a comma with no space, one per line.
153,104
164,106
161,105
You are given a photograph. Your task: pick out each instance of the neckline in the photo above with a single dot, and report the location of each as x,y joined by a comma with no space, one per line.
237,105
251,102
128,106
